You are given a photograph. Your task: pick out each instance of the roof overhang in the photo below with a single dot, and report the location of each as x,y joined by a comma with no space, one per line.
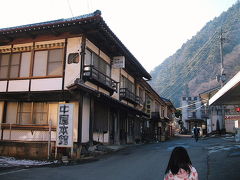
206,95
229,94
79,86
91,25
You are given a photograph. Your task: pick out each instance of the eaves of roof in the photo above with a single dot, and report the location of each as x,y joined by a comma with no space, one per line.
50,24
80,86
211,90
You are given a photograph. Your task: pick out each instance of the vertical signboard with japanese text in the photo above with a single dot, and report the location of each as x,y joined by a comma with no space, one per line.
65,125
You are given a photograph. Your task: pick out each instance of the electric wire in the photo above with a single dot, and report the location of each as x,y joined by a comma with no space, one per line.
70,8
198,53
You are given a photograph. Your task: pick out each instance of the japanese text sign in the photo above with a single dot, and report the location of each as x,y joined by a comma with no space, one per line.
65,125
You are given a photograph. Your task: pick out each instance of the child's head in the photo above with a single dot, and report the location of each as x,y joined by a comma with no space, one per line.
179,159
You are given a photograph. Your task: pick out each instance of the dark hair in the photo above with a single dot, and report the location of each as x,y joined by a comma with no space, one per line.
179,159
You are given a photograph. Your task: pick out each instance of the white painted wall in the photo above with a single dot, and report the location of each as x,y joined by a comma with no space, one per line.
116,76
3,86
72,71
75,121
18,85
46,84
85,119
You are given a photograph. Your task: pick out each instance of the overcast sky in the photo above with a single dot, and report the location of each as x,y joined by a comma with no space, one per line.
151,29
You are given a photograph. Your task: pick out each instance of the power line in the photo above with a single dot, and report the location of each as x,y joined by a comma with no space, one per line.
197,108
69,6
189,105
198,53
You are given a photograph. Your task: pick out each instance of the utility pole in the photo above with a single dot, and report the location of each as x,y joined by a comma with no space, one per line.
223,75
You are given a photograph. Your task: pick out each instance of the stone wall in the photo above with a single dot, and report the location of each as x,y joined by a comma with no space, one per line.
28,150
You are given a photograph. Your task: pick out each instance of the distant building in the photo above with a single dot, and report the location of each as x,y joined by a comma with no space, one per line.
224,106
192,112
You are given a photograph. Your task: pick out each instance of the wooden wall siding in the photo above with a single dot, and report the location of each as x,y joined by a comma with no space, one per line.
46,84
5,49
60,43
49,44
128,76
97,51
72,71
46,37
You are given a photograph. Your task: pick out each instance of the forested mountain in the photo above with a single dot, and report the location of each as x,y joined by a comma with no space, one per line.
194,67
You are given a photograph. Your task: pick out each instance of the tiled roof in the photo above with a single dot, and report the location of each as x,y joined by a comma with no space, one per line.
77,18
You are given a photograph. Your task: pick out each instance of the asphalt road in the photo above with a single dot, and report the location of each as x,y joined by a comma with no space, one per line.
214,158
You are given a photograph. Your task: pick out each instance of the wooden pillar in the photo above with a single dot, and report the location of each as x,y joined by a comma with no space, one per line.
109,116
80,109
83,47
91,121
117,128
4,116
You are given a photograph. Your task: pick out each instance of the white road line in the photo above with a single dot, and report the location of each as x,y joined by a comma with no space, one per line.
12,172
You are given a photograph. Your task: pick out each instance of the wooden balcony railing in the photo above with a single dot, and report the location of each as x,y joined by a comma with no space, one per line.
129,96
90,73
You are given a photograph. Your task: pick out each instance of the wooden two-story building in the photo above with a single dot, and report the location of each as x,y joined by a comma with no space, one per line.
72,61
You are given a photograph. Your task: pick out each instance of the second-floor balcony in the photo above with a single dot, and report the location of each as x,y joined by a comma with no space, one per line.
129,96
91,74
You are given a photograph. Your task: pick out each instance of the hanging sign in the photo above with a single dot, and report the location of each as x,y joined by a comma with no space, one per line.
118,62
232,117
65,126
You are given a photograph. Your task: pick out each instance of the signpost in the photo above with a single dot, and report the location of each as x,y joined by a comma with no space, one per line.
65,126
